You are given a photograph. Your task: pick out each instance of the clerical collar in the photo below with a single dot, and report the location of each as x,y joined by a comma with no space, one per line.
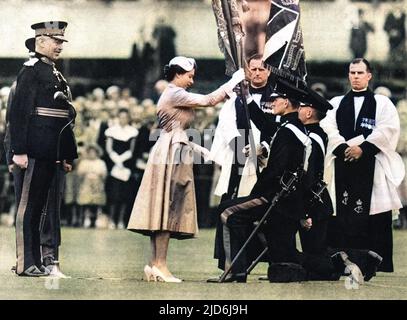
257,90
44,59
361,93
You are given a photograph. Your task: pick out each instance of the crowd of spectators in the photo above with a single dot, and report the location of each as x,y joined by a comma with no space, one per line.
94,190
96,193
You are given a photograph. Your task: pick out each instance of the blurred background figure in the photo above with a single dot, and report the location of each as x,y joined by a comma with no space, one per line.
71,214
396,33
92,174
383,91
358,38
401,223
164,35
5,182
159,88
320,88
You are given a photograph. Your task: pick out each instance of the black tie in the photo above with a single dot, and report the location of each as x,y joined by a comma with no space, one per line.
359,93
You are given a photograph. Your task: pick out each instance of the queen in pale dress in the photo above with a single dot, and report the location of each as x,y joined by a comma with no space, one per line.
165,205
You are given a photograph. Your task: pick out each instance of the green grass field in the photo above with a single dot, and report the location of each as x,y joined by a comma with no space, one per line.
108,264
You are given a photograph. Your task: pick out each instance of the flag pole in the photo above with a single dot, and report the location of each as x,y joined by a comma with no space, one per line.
226,8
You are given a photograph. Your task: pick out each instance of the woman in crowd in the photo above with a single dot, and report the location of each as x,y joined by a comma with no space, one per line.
165,205
120,145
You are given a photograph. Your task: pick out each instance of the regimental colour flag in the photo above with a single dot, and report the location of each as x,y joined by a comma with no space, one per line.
284,49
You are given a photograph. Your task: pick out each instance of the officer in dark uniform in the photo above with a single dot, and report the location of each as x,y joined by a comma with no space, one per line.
41,139
318,257
318,204
258,107
50,226
287,154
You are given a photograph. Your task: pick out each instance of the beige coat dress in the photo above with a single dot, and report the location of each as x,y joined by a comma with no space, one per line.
166,198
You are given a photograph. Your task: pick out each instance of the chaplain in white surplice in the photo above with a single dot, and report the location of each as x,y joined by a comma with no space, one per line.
362,168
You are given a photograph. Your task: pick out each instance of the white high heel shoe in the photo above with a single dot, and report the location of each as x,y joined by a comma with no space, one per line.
159,276
149,273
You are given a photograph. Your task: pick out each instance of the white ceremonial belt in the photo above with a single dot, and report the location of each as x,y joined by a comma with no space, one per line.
318,140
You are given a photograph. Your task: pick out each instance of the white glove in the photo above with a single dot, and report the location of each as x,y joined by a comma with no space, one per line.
115,157
237,77
205,153
21,160
247,150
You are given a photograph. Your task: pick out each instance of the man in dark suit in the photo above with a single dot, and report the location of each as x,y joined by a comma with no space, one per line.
41,139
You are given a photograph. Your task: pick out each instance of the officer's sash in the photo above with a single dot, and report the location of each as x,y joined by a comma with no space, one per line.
303,138
318,140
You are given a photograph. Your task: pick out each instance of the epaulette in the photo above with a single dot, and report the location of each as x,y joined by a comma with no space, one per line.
31,62
47,61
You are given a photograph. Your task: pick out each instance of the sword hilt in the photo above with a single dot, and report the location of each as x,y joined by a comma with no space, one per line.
290,185
317,192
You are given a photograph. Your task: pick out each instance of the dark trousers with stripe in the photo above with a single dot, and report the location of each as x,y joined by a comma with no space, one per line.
237,218
238,222
32,186
227,199
50,235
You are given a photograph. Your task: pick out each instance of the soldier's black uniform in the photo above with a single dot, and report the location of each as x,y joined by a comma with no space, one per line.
286,155
314,240
321,261
36,121
267,124
317,261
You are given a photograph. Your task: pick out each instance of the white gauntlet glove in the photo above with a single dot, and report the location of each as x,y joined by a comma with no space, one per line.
237,77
